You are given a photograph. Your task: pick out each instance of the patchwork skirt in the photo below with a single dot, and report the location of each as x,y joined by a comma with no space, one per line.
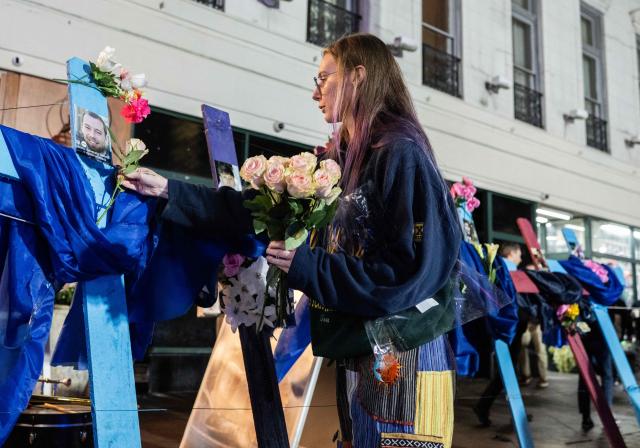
413,410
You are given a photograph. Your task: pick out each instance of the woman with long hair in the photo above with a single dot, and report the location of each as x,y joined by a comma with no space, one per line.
380,277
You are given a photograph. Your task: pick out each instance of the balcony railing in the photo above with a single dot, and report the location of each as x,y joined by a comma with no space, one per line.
527,104
215,4
327,22
597,133
596,125
440,70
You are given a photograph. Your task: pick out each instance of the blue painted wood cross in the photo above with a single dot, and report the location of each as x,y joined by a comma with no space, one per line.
113,400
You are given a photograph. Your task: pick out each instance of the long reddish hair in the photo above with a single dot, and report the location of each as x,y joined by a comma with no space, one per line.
379,107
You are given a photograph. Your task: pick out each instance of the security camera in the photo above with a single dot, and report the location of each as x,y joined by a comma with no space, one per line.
497,82
16,61
402,43
632,141
405,43
576,114
278,126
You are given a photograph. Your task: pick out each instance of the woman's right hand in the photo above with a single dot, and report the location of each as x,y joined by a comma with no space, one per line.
147,183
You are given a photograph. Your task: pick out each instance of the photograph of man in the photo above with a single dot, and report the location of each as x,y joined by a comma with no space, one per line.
92,135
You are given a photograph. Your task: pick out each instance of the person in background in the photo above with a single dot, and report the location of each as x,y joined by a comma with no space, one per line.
482,408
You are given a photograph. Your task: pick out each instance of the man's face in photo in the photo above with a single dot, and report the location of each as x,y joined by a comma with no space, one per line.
93,133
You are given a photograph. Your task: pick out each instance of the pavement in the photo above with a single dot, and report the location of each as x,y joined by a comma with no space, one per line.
556,421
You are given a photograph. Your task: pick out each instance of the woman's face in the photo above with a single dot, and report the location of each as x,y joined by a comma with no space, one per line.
327,86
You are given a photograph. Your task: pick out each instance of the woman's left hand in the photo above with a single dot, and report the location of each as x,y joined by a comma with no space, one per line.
278,256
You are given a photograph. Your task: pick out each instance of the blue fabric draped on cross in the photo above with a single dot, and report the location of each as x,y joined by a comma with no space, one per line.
469,340
601,293
164,267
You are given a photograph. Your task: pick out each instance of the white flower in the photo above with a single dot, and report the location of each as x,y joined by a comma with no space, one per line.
133,82
105,60
254,277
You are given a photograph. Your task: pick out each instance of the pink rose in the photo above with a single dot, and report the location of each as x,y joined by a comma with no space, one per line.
274,176
469,192
467,181
300,184
232,264
472,204
331,167
323,182
304,161
457,190
252,170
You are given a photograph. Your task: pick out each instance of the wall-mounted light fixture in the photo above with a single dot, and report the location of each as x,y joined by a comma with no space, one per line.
575,114
497,83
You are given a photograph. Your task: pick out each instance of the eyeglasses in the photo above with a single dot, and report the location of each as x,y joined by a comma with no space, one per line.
320,79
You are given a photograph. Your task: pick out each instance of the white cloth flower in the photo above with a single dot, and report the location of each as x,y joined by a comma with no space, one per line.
243,298
133,82
105,60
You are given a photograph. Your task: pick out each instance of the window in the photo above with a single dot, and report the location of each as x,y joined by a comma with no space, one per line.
328,20
440,63
593,77
610,238
215,4
638,58
178,148
526,78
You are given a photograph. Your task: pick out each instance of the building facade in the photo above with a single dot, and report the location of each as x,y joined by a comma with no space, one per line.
538,101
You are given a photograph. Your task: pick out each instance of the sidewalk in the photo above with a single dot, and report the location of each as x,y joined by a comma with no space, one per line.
556,421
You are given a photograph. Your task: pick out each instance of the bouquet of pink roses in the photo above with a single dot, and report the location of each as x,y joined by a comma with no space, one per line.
464,193
295,196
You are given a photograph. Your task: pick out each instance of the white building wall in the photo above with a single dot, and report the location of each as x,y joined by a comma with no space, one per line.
254,62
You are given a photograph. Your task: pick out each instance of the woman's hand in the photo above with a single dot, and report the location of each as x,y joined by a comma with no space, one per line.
278,256
147,183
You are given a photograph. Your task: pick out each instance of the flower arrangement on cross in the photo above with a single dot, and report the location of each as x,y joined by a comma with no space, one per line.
113,80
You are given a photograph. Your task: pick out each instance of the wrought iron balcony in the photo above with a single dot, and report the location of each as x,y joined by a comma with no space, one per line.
527,104
327,22
440,70
597,133
215,4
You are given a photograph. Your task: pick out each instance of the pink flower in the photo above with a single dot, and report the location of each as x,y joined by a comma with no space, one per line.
332,167
472,204
467,181
252,170
469,192
136,109
232,264
597,269
274,176
457,190
323,183
304,161
300,184
561,310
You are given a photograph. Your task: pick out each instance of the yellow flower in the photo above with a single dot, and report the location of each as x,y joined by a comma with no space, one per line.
492,250
572,312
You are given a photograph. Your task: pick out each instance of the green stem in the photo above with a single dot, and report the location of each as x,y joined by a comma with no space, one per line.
112,199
